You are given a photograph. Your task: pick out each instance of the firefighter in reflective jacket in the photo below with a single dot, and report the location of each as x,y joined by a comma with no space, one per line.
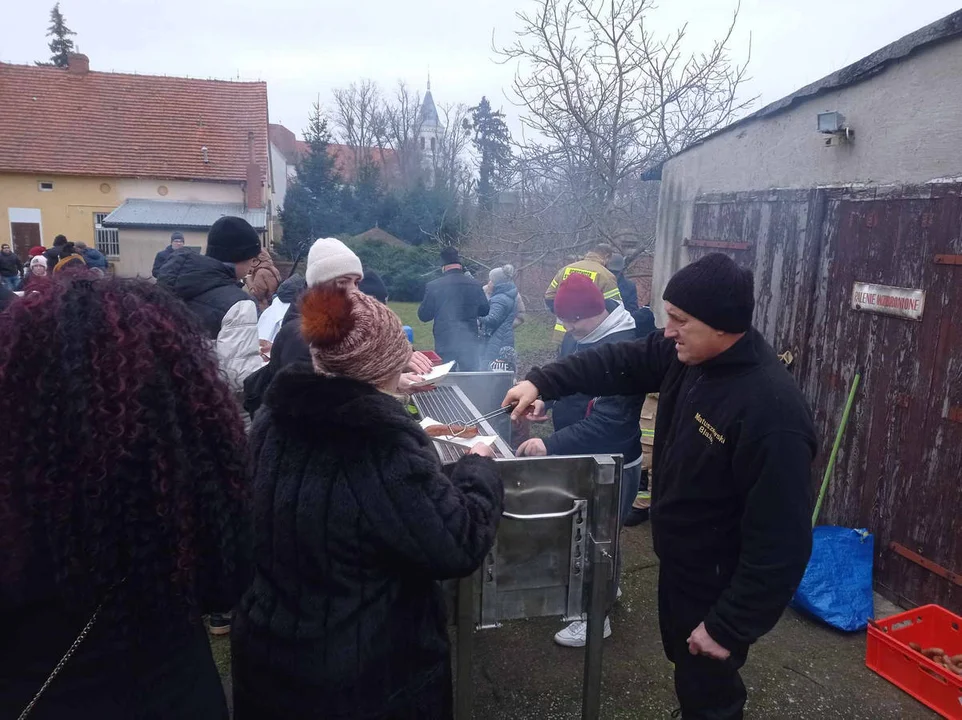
592,265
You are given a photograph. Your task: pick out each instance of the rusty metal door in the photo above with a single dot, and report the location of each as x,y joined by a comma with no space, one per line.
900,470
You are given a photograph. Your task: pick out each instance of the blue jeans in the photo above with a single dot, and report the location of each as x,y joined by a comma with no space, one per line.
11,281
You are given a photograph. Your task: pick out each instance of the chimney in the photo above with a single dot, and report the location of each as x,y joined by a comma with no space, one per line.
78,64
254,189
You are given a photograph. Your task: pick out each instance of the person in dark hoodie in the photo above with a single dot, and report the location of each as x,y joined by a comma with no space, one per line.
93,257
586,425
733,450
53,253
176,243
497,327
454,302
210,285
355,524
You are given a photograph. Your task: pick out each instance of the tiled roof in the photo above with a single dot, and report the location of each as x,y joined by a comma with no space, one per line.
59,122
293,150
136,213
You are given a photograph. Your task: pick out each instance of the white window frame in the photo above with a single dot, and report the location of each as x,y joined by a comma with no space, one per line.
107,240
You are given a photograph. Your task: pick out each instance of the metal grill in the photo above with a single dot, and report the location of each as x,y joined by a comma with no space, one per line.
447,404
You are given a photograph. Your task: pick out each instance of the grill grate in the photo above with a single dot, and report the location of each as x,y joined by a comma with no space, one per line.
445,405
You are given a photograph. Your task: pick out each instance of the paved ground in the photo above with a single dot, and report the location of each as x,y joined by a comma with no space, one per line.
800,670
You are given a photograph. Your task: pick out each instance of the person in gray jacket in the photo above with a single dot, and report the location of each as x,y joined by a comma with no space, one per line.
497,327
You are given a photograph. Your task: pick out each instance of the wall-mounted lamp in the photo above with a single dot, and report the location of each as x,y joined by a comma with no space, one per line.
833,124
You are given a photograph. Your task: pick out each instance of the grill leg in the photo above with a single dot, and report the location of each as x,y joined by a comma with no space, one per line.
464,694
599,584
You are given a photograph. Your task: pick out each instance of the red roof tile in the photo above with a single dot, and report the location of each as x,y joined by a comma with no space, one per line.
293,150
58,122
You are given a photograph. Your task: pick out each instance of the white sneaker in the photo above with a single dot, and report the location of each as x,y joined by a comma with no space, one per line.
575,635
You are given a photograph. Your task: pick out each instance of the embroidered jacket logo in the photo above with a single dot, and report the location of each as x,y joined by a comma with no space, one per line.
708,430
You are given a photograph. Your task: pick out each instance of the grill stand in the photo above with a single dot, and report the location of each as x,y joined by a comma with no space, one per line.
592,549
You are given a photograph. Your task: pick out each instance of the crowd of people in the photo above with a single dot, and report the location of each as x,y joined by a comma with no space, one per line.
218,450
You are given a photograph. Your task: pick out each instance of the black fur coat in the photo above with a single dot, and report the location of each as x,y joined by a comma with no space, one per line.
354,525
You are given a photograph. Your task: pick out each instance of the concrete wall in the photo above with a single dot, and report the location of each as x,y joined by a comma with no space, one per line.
908,130
139,247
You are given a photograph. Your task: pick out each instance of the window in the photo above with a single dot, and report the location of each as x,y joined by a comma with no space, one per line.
108,239
422,143
45,186
434,143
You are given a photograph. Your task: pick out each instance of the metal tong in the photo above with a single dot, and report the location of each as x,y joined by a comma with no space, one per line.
480,419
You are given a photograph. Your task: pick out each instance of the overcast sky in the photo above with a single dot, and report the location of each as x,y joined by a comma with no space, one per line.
304,48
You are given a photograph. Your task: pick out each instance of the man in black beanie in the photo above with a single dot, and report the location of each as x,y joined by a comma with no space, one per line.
731,497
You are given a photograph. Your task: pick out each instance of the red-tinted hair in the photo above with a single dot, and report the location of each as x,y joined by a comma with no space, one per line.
124,453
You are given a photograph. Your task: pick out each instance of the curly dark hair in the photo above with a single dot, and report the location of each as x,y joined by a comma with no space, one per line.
124,456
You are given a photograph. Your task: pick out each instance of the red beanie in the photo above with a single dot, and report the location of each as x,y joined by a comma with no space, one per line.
578,297
36,250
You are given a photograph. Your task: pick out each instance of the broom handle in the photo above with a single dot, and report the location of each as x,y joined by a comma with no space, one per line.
838,442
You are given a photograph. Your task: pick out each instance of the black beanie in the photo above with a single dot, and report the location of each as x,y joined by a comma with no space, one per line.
716,291
233,240
449,256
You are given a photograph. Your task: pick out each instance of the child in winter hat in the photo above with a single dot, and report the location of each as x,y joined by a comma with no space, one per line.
353,335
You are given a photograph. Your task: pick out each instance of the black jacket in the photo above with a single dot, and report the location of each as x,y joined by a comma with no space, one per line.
584,424
7,296
10,265
160,258
629,292
354,525
731,496
454,302
208,286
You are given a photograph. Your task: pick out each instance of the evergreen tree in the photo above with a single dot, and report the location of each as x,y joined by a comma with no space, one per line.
313,203
60,43
492,140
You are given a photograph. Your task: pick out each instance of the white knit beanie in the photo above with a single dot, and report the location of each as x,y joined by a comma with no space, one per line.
329,258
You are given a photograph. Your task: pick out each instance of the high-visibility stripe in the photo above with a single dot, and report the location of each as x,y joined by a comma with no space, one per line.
590,273
645,432
611,294
560,328
554,284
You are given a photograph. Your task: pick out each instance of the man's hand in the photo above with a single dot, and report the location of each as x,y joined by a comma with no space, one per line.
532,448
482,449
701,643
419,364
521,396
537,413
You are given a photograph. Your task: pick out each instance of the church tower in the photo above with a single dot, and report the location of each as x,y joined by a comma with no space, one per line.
431,130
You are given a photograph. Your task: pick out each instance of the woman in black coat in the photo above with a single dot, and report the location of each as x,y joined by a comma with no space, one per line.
123,505
355,524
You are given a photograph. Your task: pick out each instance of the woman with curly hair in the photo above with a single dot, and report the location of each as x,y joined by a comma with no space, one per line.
123,505
355,522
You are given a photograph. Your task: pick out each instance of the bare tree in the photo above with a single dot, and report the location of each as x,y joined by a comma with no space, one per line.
400,130
450,171
358,118
603,101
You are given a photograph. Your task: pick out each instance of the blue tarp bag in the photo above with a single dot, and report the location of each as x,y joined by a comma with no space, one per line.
837,585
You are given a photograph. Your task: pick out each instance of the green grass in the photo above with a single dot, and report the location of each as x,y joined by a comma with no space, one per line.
534,340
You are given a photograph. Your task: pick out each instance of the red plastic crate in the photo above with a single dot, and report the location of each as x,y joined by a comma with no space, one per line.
888,653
